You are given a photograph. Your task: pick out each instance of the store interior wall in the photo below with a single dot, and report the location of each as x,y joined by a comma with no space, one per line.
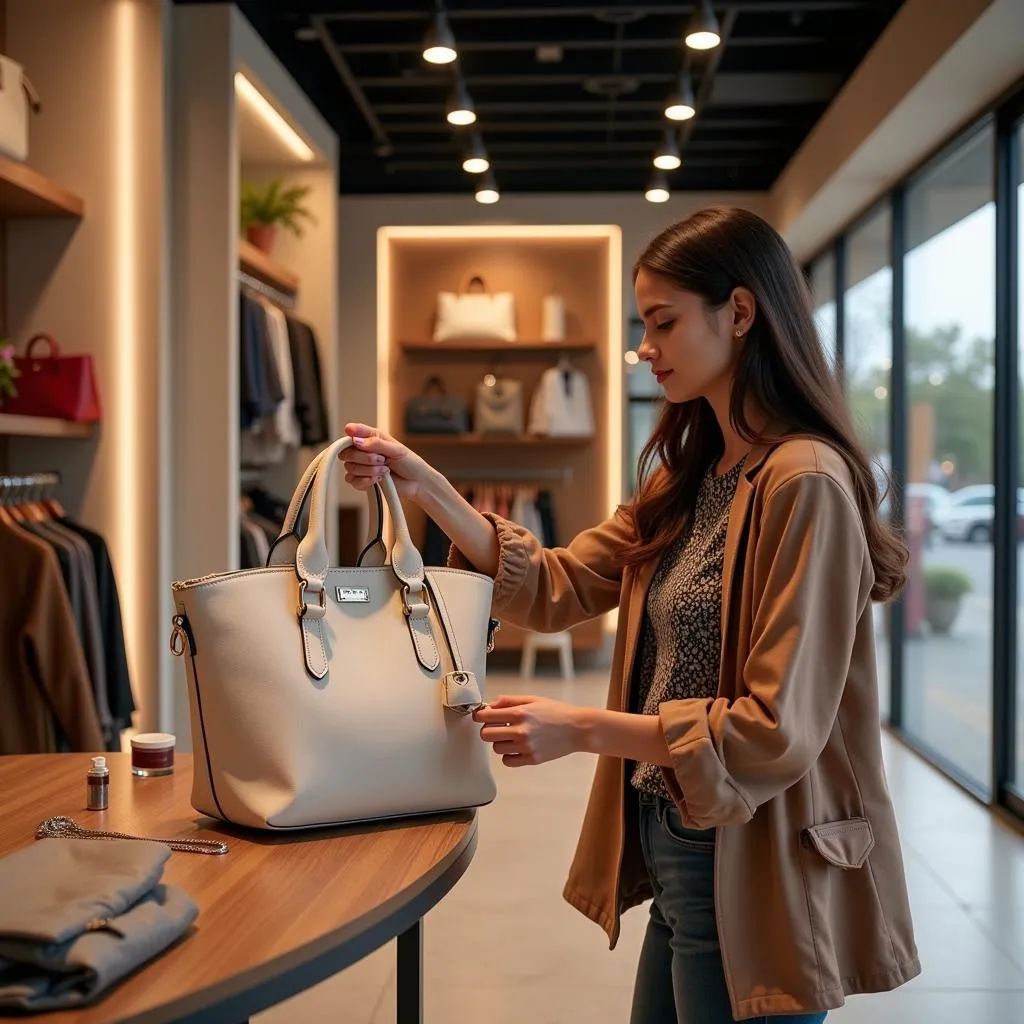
97,285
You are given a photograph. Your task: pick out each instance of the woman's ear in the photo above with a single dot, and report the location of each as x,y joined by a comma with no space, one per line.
744,309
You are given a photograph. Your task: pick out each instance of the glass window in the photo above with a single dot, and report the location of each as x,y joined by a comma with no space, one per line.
867,371
823,291
950,329
1018,778
643,402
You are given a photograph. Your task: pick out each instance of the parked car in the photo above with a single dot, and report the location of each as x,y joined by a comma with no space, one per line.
969,513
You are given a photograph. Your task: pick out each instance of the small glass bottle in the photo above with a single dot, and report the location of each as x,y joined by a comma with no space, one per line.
98,785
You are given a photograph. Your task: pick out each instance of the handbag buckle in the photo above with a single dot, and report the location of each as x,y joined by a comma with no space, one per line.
406,607
303,609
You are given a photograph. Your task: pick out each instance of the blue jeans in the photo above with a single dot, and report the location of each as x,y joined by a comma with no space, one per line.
680,979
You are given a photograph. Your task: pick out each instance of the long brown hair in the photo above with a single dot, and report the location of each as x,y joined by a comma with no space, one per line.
781,371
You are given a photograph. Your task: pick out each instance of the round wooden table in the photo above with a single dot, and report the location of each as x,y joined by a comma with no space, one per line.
277,914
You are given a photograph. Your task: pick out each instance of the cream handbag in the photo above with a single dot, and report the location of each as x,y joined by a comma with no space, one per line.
326,696
474,314
498,407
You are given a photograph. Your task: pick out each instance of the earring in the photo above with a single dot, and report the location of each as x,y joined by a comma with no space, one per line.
739,334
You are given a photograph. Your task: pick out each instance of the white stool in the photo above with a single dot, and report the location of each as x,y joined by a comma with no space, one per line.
533,642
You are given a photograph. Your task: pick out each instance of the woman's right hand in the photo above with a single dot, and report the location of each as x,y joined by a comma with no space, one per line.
375,454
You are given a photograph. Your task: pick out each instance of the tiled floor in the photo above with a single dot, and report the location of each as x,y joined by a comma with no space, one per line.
503,947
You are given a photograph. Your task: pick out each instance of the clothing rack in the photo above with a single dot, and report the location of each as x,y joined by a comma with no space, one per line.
268,291
22,483
511,476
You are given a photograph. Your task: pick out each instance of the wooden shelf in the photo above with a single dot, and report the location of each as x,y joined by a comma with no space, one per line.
26,193
477,440
40,426
257,263
438,347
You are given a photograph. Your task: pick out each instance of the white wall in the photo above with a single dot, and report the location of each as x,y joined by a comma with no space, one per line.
360,217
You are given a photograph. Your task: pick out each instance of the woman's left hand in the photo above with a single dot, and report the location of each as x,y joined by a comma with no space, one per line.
530,730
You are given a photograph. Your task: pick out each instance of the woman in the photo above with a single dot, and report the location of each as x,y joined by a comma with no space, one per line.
740,780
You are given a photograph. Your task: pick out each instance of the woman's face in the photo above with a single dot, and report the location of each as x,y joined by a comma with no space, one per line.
691,351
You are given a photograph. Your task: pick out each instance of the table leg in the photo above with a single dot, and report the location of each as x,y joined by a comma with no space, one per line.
410,975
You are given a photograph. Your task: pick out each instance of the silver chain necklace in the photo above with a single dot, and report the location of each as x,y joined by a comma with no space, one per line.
63,827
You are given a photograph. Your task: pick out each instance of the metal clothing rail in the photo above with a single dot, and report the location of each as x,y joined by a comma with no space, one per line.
19,483
268,291
509,476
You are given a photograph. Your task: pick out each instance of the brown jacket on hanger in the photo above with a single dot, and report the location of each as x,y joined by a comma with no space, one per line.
43,677
786,762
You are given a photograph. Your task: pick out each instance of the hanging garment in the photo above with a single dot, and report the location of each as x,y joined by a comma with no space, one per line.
545,508
120,697
525,512
561,405
91,628
260,381
45,690
310,407
436,545
266,440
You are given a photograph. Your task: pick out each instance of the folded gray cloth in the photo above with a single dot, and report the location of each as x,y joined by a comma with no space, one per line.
77,915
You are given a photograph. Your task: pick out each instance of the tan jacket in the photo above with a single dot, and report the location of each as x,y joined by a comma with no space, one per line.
786,762
43,676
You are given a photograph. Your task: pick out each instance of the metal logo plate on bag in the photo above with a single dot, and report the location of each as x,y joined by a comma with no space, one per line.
353,595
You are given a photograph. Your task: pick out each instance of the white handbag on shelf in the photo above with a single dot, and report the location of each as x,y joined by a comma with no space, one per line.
326,696
17,98
475,314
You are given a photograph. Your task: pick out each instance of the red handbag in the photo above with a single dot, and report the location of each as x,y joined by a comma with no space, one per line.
60,387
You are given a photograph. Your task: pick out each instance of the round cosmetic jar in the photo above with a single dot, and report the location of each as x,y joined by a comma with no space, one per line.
152,754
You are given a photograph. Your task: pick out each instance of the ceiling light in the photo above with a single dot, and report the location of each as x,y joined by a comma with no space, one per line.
681,105
439,43
667,158
487,190
260,105
657,190
475,161
459,110
702,32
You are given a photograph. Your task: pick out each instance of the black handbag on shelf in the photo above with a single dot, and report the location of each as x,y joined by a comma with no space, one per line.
436,412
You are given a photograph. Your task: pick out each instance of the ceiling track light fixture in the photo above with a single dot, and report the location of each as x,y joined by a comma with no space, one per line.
657,189
475,159
439,42
486,190
459,110
703,32
681,105
667,157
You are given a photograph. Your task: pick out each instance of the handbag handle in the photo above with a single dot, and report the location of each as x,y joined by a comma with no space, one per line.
473,279
434,384
54,352
284,548
312,563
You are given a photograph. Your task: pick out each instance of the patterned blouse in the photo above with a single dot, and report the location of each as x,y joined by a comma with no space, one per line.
680,643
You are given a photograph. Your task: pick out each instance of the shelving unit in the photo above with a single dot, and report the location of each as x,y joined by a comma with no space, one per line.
26,193
257,263
581,263
41,426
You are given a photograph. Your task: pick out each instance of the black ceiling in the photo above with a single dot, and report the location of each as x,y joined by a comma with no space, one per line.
553,127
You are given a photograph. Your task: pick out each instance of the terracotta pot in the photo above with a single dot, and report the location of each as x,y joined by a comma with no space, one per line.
262,236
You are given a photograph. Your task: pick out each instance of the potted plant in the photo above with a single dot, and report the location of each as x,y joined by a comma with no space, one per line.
265,207
9,372
945,587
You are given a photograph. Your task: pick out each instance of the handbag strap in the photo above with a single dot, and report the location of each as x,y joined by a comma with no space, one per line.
435,384
312,563
54,352
285,547
473,282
